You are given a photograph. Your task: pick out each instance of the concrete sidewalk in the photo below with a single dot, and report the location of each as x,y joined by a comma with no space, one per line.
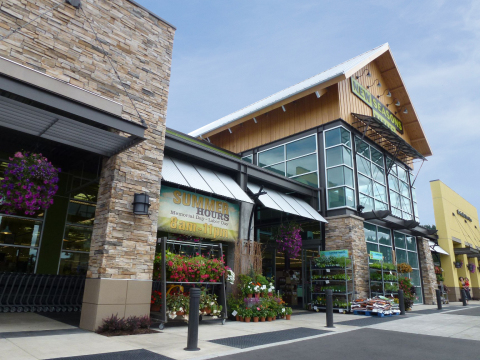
32,336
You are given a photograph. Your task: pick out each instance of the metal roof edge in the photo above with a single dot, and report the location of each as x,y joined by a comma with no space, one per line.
151,13
360,62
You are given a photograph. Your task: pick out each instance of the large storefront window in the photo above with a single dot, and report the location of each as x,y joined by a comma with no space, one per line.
19,239
379,240
19,242
371,177
78,229
339,168
406,251
399,191
414,197
297,160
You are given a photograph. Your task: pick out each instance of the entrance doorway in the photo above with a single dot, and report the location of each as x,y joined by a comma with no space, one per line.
291,275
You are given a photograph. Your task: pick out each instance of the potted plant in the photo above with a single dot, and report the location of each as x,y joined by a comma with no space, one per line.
240,314
472,267
404,268
289,239
156,302
288,312
29,184
256,314
247,315
458,264
269,315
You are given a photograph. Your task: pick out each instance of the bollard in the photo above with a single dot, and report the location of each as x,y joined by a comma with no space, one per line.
193,319
439,299
464,297
401,302
329,309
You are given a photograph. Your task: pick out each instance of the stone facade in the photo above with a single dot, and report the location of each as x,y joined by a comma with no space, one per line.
346,232
428,271
62,44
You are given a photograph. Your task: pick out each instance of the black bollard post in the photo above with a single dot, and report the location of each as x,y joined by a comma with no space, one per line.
193,319
464,297
329,309
439,299
401,302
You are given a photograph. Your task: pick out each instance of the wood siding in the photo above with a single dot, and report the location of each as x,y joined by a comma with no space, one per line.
302,114
351,103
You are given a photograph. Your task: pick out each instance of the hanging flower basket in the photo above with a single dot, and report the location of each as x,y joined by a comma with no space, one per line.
458,264
472,267
289,239
29,184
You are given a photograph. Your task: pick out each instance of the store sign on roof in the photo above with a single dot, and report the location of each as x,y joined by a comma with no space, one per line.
380,111
465,216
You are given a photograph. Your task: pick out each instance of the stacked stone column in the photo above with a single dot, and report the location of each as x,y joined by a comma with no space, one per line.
428,271
346,232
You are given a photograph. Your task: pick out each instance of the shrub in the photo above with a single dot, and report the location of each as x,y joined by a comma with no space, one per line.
130,324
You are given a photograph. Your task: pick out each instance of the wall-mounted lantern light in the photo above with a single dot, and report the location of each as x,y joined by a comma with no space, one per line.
378,84
141,204
389,94
397,103
363,73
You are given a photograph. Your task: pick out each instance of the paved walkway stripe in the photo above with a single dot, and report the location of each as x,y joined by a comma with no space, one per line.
20,334
247,341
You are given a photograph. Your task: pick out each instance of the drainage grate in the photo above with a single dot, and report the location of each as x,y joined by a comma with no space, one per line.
120,355
246,341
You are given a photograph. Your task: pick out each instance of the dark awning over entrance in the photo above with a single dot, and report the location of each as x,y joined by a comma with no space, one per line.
383,136
34,111
384,217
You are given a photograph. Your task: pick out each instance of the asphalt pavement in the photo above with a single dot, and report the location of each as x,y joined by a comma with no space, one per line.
369,344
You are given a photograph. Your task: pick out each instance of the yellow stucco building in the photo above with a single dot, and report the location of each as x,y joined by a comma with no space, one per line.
459,234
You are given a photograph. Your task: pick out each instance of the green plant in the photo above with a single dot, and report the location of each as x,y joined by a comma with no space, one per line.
247,313
405,284
288,311
440,278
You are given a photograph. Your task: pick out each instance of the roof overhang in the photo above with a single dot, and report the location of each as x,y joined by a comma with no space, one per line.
33,110
384,137
385,218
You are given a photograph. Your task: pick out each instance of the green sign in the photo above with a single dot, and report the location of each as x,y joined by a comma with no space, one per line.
335,253
376,256
380,111
187,213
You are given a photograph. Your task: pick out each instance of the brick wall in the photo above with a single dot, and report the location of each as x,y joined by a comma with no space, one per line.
63,45
346,232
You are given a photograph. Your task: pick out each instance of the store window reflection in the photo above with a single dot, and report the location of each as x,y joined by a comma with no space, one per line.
19,241
79,226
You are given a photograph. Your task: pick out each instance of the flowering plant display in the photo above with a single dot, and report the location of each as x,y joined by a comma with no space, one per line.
156,298
29,184
438,270
230,275
192,269
404,268
472,267
289,239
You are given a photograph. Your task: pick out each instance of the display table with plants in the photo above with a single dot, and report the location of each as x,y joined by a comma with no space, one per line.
256,300
331,273
176,273
383,279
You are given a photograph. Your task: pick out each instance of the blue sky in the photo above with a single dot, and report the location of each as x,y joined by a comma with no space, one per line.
229,54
